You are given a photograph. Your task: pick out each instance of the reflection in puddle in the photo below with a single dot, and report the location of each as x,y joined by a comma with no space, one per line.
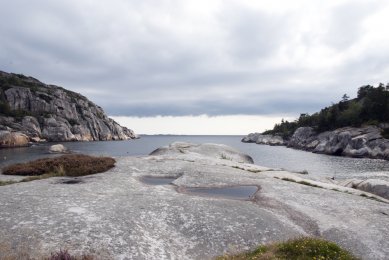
237,192
157,180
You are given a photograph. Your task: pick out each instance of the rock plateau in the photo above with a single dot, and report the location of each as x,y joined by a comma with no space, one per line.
118,216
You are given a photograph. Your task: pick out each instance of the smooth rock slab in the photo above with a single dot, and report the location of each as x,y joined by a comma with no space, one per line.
116,213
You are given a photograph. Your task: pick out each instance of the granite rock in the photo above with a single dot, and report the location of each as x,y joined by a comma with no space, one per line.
118,215
52,113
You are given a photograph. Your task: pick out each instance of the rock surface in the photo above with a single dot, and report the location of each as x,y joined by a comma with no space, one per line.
348,141
263,139
375,186
115,214
12,139
58,148
47,112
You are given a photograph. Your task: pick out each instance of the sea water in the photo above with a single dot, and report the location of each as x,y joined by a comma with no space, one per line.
270,156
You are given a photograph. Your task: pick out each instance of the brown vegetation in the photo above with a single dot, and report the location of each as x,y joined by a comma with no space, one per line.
301,248
66,165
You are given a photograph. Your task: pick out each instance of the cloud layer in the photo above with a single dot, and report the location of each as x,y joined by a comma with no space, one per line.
176,57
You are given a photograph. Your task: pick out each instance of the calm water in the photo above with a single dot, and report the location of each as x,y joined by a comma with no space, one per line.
270,156
237,192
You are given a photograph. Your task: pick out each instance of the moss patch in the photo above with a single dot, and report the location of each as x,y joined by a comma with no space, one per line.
301,248
67,165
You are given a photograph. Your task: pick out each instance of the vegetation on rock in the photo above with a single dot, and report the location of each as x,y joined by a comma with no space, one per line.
67,165
65,255
370,107
301,248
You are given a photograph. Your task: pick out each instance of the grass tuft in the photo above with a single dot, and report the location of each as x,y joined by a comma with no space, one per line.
3,183
301,248
300,182
225,157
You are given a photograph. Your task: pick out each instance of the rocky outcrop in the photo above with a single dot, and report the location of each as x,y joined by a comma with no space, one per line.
13,139
47,112
375,186
263,139
348,141
58,148
219,151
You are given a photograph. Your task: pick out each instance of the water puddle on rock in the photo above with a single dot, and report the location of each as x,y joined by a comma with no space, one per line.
235,192
157,180
72,181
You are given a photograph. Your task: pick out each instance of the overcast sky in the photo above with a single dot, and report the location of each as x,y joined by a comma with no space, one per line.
180,59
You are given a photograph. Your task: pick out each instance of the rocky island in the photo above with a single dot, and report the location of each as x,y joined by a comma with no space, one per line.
186,201
31,111
353,128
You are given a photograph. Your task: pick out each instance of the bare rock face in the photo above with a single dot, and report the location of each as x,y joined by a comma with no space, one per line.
348,141
47,112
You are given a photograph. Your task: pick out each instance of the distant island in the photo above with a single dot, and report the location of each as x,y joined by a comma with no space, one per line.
31,111
356,127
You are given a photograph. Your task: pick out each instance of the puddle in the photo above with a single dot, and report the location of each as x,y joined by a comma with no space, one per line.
157,180
72,181
236,192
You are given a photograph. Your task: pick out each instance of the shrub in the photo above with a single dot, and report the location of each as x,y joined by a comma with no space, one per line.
301,248
66,165
65,255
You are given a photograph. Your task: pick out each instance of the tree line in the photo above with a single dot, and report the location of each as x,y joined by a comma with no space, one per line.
370,107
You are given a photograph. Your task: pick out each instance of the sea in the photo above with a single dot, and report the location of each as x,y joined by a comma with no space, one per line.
280,157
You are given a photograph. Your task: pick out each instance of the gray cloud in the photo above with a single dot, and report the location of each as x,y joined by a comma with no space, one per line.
149,58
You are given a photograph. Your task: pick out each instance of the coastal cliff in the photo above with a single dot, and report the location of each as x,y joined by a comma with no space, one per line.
347,141
31,111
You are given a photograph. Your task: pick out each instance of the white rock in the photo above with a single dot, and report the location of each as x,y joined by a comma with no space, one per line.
57,148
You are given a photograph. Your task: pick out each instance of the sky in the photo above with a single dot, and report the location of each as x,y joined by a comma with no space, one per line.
196,67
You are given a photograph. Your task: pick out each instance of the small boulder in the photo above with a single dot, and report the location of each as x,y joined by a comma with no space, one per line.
58,148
